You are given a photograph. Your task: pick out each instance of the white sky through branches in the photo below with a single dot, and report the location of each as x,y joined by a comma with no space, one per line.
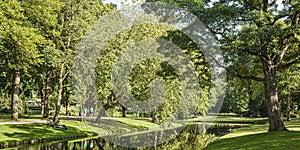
119,2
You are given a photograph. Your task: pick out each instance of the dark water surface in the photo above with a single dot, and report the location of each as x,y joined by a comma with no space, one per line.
102,144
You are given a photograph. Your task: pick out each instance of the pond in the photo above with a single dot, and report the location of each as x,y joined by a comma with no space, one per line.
186,138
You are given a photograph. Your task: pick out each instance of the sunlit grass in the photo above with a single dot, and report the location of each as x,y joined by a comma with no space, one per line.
137,123
254,136
120,125
257,137
38,131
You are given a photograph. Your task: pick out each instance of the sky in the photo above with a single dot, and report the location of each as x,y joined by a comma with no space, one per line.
118,2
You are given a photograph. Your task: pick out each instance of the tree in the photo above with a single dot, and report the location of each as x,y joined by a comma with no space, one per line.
264,36
21,38
149,70
75,18
263,30
237,96
288,85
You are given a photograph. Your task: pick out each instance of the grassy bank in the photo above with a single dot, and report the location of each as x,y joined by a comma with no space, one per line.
18,134
252,135
257,137
29,133
231,119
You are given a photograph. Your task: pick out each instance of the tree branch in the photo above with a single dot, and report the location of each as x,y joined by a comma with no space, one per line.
237,74
249,51
250,4
250,77
272,3
278,58
278,18
219,33
295,61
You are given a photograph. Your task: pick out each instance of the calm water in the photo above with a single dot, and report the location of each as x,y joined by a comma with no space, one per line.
100,143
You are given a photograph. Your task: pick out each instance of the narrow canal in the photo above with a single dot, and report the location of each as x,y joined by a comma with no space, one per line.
186,137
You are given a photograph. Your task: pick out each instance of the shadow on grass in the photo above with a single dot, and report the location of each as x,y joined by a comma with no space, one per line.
243,121
268,140
7,117
36,131
4,117
114,126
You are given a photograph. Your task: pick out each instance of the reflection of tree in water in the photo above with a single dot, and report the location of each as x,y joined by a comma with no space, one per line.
188,138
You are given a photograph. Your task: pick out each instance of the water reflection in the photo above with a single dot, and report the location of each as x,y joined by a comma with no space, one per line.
189,138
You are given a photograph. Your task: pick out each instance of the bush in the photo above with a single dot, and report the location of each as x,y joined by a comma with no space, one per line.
4,103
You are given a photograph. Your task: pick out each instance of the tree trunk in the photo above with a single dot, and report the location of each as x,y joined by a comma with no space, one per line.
111,103
123,111
68,108
41,90
15,95
271,95
102,112
47,93
288,112
59,97
154,117
81,112
88,106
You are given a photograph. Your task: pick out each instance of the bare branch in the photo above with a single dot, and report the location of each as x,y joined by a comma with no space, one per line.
278,58
69,70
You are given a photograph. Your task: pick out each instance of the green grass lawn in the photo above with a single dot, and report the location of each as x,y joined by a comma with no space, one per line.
230,119
24,132
6,117
257,137
254,136
120,125
11,133
36,131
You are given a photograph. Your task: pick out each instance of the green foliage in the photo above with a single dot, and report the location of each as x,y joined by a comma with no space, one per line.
193,6
42,34
237,96
255,137
4,103
189,138
289,86
74,20
148,70
244,97
36,131
21,32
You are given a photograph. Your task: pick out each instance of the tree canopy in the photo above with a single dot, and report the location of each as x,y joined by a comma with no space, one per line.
146,71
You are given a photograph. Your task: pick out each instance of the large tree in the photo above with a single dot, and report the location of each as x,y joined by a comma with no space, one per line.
145,72
21,27
264,30
75,18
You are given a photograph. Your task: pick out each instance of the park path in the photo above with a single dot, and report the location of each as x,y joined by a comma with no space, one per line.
27,121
